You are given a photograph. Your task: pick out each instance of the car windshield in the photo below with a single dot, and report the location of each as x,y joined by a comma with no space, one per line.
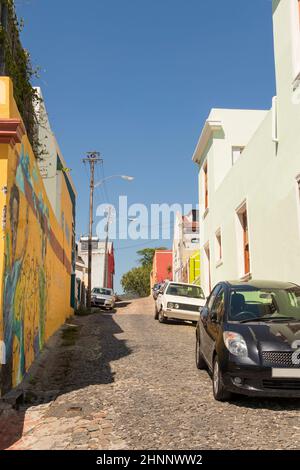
255,304
101,291
182,290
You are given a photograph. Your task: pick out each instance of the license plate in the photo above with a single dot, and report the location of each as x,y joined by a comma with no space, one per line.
286,373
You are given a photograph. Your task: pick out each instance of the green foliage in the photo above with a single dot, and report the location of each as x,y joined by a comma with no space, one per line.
15,62
146,255
137,281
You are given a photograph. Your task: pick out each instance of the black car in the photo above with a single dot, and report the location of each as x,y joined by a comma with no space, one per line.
248,336
155,290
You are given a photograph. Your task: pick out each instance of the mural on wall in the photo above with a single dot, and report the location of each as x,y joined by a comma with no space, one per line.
25,275
36,254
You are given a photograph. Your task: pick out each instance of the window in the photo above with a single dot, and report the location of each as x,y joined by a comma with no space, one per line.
218,246
212,297
243,240
182,290
219,305
236,153
101,291
298,197
85,245
207,267
295,29
253,302
205,173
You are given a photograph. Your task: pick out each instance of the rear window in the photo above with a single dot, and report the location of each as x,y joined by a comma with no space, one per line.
185,291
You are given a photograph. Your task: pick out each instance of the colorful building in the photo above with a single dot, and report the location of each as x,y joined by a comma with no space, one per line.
194,268
249,175
37,255
185,243
162,266
103,261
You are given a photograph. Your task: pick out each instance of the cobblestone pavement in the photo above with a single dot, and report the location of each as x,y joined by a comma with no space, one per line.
124,381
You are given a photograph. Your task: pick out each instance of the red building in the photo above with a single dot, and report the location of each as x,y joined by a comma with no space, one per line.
110,266
162,266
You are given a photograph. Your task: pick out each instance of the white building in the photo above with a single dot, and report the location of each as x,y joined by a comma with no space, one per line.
185,242
98,260
249,175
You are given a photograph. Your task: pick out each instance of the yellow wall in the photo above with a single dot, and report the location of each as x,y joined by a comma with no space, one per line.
35,256
194,268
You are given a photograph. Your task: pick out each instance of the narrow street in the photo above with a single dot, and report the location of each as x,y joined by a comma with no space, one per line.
124,381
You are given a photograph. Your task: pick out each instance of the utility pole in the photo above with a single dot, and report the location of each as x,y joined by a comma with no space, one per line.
92,159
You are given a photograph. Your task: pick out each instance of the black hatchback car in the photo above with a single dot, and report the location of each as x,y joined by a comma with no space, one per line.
248,336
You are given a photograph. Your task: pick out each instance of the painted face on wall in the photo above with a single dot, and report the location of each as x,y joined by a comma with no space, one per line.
14,217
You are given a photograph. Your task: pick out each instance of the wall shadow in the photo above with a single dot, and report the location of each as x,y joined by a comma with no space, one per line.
86,348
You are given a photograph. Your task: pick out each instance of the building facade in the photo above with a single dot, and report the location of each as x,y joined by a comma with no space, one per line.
249,175
103,261
36,249
186,241
162,267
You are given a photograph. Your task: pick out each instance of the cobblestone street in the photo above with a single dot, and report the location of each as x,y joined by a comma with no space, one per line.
124,381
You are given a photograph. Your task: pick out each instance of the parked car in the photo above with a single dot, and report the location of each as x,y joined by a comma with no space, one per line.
248,336
155,290
179,301
103,297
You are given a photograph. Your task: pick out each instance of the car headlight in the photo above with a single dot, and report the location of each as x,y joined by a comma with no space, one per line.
108,301
170,305
235,344
177,306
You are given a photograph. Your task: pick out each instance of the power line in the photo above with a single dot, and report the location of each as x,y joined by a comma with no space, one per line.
137,245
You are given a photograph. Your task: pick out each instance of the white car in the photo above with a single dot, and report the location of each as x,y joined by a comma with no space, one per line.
179,301
103,298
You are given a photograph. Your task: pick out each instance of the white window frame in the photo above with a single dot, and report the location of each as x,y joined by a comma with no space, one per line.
295,31
240,241
298,199
207,266
234,148
218,247
205,209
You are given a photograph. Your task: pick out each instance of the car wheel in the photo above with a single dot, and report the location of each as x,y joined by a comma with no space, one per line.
161,317
219,390
200,362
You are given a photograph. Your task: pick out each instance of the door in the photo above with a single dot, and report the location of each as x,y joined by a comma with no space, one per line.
246,242
204,324
214,320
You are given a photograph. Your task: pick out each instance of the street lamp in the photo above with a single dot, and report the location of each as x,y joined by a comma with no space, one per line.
124,177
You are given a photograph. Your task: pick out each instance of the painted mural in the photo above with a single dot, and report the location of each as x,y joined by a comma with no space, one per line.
36,265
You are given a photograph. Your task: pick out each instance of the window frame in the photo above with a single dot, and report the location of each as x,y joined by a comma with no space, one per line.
241,149
295,32
218,246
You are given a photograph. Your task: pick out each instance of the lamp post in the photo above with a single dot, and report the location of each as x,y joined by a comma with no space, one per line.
124,177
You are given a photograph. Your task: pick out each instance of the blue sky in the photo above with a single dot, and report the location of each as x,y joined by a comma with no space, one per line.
135,79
